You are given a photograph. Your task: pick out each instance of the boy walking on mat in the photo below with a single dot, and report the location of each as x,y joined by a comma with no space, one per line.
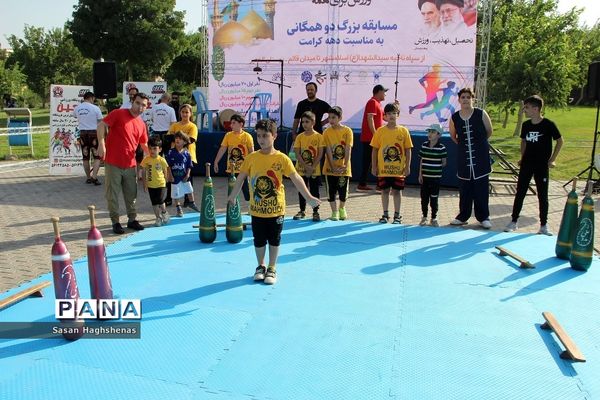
433,158
337,170
390,161
309,149
265,168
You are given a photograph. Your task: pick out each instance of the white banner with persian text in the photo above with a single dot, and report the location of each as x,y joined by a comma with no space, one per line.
64,150
423,55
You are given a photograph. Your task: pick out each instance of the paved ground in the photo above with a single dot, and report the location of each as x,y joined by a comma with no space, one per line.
29,196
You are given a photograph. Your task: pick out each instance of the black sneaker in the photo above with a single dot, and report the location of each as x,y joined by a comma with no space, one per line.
299,215
118,229
136,226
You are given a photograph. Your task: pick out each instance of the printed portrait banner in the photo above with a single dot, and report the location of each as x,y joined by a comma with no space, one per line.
154,90
346,47
64,150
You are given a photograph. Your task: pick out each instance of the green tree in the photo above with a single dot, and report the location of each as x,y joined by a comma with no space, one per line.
187,66
12,80
142,34
533,49
48,57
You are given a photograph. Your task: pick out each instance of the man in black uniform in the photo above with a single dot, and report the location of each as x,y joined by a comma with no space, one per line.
312,104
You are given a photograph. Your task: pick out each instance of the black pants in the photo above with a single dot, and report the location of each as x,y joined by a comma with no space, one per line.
312,183
540,174
430,190
366,163
474,192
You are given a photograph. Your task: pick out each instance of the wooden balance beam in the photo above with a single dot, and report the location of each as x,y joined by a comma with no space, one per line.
572,352
33,291
524,262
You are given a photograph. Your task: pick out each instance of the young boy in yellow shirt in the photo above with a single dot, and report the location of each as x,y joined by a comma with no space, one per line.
238,144
309,150
338,140
265,168
390,161
155,171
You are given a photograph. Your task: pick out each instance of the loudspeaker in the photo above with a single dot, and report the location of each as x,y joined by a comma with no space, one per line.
593,86
105,79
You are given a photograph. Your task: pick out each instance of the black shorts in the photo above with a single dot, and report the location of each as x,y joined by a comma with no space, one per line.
394,182
157,195
89,144
337,185
267,230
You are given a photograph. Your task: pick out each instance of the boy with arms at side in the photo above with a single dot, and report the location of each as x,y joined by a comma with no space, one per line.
390,161
180,169
154,172
433,158
238,144
266,168
537,157
338,140
309,148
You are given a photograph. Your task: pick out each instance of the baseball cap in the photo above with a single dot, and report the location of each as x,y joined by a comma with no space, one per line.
436,127
379,88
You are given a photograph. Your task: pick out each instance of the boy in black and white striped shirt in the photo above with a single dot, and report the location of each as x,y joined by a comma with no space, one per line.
433,158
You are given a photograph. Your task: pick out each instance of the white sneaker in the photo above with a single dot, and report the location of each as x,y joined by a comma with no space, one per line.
486,224
544,230
158,222
434,222
457,221
165,218
511,227
423,221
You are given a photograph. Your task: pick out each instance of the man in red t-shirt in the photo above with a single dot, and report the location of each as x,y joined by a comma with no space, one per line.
126,130
372,120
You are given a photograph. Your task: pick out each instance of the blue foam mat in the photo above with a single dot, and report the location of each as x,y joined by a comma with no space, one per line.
360,311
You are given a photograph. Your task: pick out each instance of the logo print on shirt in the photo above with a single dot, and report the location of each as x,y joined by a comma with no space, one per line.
533,136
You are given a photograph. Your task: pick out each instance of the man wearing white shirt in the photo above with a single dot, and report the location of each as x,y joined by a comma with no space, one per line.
131,93
163,115
88,115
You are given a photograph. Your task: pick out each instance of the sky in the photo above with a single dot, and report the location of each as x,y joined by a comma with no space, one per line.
16,14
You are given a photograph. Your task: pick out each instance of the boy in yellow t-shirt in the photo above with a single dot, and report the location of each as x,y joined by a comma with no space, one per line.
390,160
154,173
338,140
309,148
238,144
265,168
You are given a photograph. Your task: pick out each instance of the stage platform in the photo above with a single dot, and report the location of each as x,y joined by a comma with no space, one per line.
360,311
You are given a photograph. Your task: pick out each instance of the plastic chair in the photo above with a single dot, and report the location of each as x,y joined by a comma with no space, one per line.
204,116
260,106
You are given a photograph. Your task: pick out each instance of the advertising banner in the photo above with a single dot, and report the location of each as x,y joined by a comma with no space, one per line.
154,90
64,150
346,47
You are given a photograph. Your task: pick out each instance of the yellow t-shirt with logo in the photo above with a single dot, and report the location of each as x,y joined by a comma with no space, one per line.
238,147
155,169
267,193
336,139
391,145
309,146
189,129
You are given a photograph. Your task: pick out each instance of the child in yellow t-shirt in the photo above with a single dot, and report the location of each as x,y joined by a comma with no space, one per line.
338,140
154,173
265,168
390,161
309,149
238,144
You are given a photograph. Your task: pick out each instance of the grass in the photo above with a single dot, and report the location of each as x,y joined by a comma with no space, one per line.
575,123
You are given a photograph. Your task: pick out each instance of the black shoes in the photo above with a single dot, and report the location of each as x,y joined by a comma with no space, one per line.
118,229
136,226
